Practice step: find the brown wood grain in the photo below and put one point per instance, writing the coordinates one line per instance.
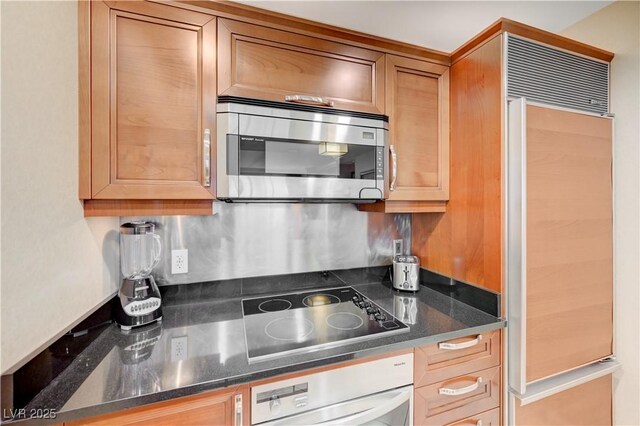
(208, 409)
(254, 15)
(506, 25)
(431, 408)
(84, 100)
(260, 62)
(466, 241)
(418, 110)
(150, 101)
(586, 404)
(94, 208)
(432, 364)
(488, 418)
(404, 207)
(569, 240)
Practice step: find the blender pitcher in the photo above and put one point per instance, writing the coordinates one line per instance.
(140, 250)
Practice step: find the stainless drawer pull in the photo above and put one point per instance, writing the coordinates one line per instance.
(206, 157)
(309, 100)
(238, 410)
(460, 391)
(455, 346)
(394, 167)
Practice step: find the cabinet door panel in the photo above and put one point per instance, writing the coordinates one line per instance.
(586, 404)
(215, 408)
(569, 241)
(418, 109)
(261, 62)
(153, 95)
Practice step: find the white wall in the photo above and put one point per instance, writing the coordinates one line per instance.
(56, 266)
(617, 28)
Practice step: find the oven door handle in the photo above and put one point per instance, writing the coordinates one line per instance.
(372, 414)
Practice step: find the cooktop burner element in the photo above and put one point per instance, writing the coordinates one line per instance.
(345, 321)
(320, 299)
(274, 305)
(288, 328)
(312, 320)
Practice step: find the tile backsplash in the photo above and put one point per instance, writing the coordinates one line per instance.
(248, 240)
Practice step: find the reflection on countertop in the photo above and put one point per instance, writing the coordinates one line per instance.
(121, 370)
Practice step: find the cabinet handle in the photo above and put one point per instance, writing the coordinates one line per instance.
(479, 423)
(455, 346)
(238, 410)
(460, 391)
(394, 167)
(206, 157)
(309, 100)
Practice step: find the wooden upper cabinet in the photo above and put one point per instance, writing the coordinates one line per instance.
(266, 63)
(153, 76)
(418, 110)
(417, 103)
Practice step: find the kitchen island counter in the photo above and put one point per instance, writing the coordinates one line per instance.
(118, 370)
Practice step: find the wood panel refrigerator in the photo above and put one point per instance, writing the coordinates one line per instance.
(559, 264)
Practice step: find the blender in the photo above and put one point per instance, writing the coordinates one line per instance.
(139, 297)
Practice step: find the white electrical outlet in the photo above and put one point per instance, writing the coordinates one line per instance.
(179, 348)
(179, 261)
(397, 248)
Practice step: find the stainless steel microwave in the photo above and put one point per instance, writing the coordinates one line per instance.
(276, 151)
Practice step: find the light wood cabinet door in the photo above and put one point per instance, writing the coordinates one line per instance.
(265, 63)
(586, 404)
(218, 408)
(569, 253)
(153, 97)
(457, 398)
(440, 361)
(418, 109)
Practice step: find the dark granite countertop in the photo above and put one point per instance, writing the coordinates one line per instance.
(103, 378)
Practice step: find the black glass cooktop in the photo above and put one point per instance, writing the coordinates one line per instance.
(312, 320)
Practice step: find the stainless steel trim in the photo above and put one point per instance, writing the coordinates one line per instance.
(516, 243)
(561, 108)
(238, 410)
(309, 100)
(206, 157)
(264, 111)
(394, 167)
(568, 380)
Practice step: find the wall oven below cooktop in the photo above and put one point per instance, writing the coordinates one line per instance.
(312, 320)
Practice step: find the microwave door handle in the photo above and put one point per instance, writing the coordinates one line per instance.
(372, 414)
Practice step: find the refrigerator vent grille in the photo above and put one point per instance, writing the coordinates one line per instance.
(544, 74)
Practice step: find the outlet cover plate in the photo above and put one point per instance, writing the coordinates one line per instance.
(397, 247)
(179, 261)
(179, 348)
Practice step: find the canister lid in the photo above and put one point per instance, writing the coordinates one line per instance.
(137, 228)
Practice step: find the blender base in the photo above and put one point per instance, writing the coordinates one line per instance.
(139, 303)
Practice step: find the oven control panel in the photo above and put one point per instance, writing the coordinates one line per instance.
(276, 400)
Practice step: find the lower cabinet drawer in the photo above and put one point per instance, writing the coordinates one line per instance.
(488, 418)
(440, 361)
(457, 398)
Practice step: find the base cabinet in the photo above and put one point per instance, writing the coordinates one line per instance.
(225, 407)
(586, 404)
